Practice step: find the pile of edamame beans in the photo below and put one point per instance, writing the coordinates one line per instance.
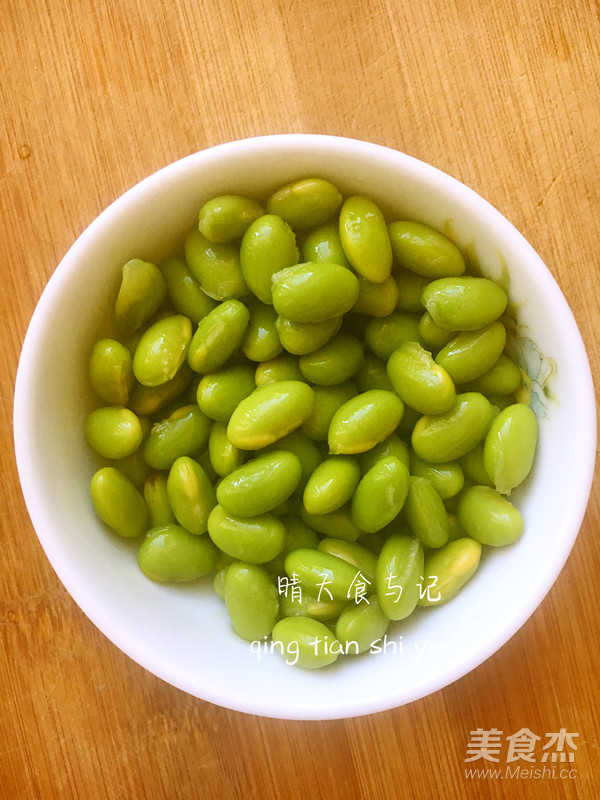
(316, 407)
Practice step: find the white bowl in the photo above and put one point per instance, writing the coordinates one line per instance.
(182, 634)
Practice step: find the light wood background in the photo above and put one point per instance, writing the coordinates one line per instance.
(97, 94)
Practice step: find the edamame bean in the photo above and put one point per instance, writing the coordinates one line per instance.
(384, 334)
(302, 604)
(219, 582)
(306, 642)
(283, 368)
(331, 485)
(425, 513)
(397, 576)
(448, 569)
(228, 217)
(361, 626)
(380, 495)
(269, 413)
(157, 500)
(118, 503)
(300, 338)
(133, 467)
(261, 340)
(215, 266)
(219, 393)
(509, 447)
(314, 292)
(113, 431)
(218, 336)
(305, 203)
(464, 304)
(327, 401)
(251, 599)
(391, 446)
(141, 292)
(365, 238)
(298, 534)
(364, 421)
(376, 299)
(372, 374)
(268, 246)
(423, 250)
(111, 372)
(224, 456)
(321, 574)
(472, 353)
(334, 363)
(447, 478)
(448, 436)
(474, 468)
(261, 484)
(146, 400)
(162, 350)
(170, 553)
(419, 381)
(323, 245)
(305, 451)
(352, 552)
(191, 494)
(488, 517)
(184, 433)
(503, 378)
(255, 540)
(184, 291)
(336, 524)
(410, 288)
(431, 335)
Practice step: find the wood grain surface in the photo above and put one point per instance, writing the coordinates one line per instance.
(97, 94)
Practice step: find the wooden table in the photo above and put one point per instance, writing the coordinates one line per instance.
(97, 94)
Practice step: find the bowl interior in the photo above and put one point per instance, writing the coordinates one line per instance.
(182, 633)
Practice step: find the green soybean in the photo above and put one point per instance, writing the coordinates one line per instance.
(170, 553)
(474, 468)
(327, 401)
(372, 374)
(503, 378)
(321, 574)
(162, 350)
(251, 599)
(111, 372)
(376, 299)
(448, 569)
(113, 431)
(306, 642)
(380, 495)
(219, 393)
(300, 338)
(336, 524)
(268, 246)
(300, 603)
(419, 381)
(431, 335)
(423, 250)
(314, 292)
(191, 494)
(447, 478)
(334, 363)
(392, 445)
(384, 334)
(464, 304)
(471, 353)
(509, 447)
(224, 456)
(305, 451)
(398, 573)
(425, 513)
(364, 560)
(361, 626)
(184, 291)
(118, 503)
(260, 484)
(183, 433)
(448, 436)
(253, 539)
(140, 294)
(157, 500)
(488, 517)
(216, 267)
(410, 288)
(331, 485)
(261, 340)
(364, 421)
(365, 238)
(146, 400)
(323, 245)
(227, 217)
(218, 336)
(283, 368)
(269, 413)
(133, 467)
(305, 203)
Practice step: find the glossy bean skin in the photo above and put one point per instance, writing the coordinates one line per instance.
(324, 576)
(118, 503)
(191, 494)
(425, 513)
(216, 267)
(398, 573)
(133, 467)
(261, 484)
(147, 400)
(261, 341)
(300, 338)
(172, 554)
(283, 368)
(110, 371)
(509, 448)
(365, 239)
(331, 485)
(327, 401)
(431, 335)
(183, 433)
(464, 303)
(488, 517)
(219, 393)
(352, 552)
(472, 353)
(503, 378)
(334, 363)
(305, 451)
(298, 534)
(393, 445)
(314, 292)
(364, 421)
(448, 569)
(337, 524)
(384, 334)
(113, 431)
(140, 294)
(269, 413)
(419, 381)
(380, 495)
(450, 435)
(251, 599)
(372, 374)
(323, 245)
(424, 250)
(306, 203)
(254, 540)
(184, 291)
(157, 500)
(376, 299)
(218, 336)
(306, 642)
(268, 246)
(162, 350)
(224, 456)
(228, 217)
(361, 626)
(410, 288)
(303, 604)
(473, 466)
(447, 478)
